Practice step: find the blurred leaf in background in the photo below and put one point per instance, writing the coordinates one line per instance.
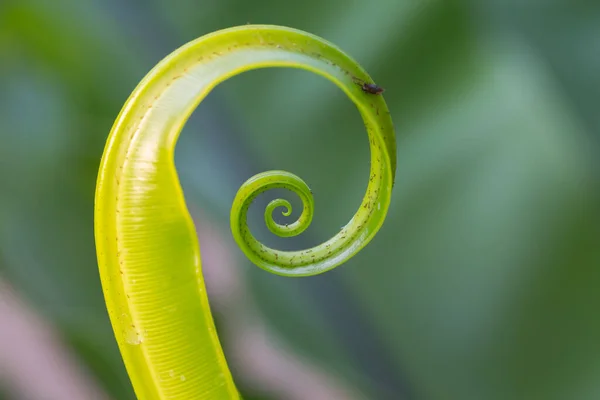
(484, 280)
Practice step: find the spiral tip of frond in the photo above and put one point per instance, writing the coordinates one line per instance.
(275, 180)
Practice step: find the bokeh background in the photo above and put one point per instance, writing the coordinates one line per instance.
(484, 282)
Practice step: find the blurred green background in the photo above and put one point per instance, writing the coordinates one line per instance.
(484, 282)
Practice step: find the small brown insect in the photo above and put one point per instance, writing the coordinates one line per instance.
(370, 88)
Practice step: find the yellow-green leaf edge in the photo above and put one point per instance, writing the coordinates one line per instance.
(147, 248)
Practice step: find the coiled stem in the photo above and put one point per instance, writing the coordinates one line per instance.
(148, 254)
